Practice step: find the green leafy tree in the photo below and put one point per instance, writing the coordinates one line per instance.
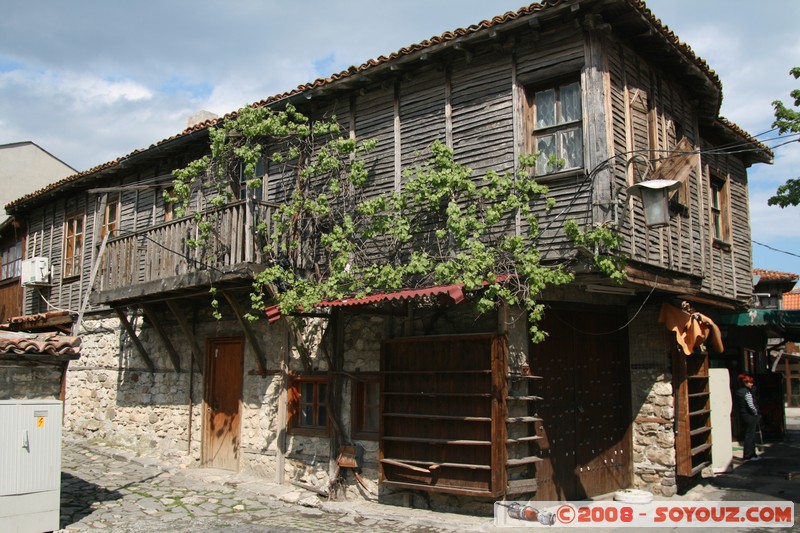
(787, 119)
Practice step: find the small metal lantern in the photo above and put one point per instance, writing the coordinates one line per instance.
(654, 194)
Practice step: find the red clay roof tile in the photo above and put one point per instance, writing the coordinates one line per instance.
(774, 275)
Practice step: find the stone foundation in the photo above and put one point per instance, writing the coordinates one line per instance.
(652, 402)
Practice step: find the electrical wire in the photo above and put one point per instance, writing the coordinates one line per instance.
(775, 249)
(617, 330)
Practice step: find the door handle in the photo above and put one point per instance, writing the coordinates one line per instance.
(26, 443)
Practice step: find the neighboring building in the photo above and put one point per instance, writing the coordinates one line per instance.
(24, 167)
(770, 286)
(760, 342)
(789, 364)
(437, 398)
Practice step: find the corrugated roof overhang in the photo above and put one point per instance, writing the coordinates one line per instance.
(453, 292)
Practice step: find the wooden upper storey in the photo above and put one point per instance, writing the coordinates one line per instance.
(593, 82)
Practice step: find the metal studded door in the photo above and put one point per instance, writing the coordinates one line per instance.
(586, 404)
(222, 403)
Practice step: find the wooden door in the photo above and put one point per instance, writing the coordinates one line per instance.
(222, 403)
(586, 404)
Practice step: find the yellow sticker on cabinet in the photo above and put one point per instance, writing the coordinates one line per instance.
(40, 422)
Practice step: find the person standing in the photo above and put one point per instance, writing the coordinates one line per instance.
(748, 414)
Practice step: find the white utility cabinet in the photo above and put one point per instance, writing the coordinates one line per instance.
(30, 465)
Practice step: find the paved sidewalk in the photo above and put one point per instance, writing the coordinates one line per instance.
(115, 490)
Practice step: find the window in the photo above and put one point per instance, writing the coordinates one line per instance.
(73, 244)
(111, 216)
(261, 170)
(366, 407)
(719, 209)
(308, 410)
(556, 116)
(11, 261)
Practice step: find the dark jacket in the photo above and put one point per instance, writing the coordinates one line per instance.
(745, 407)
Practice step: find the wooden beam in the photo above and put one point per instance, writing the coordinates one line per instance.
(258, 352)
(199, 356)
(149, 314)
(593, 83)
(123, 319)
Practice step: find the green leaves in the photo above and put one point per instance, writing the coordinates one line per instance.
(338, 236)
(787, 120)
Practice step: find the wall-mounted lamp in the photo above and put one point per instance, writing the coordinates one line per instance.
(654, 194)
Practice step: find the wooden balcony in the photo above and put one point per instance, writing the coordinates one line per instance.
(161, 260)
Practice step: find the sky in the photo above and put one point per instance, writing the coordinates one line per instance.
(92, 80)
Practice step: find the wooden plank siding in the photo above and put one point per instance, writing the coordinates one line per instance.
(650, 110)
(469, 98)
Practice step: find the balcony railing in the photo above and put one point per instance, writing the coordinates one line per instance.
(164, 252)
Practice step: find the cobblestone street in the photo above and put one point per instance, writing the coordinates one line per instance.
(107, 491)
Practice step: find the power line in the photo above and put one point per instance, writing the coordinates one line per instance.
(775, 249)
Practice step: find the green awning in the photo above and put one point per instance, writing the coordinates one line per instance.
(777, 322)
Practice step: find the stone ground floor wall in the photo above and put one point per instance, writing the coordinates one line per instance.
(30, 383)
(652, 404)
(111, 395)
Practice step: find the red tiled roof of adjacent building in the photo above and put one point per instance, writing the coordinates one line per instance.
(62, 346)
(442, 40)
(791, 300)
(774, 275)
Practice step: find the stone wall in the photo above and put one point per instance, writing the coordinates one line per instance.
(30, 383)
(652, 403)
(112, 396)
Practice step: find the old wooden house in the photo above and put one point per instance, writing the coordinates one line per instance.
(435, 399)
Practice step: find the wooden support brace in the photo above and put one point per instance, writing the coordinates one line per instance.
(149, 314)
(123, 319)
(199, 356)
(261, 359)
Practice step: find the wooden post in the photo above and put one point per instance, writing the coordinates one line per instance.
(249, 228)
(283, 398)
(123, 319)
(149, 314)
(258, 352)
(595, 118)
(199, 355)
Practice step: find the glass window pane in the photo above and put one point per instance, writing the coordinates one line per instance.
(322, 416)
(322, 392)
(371, 419)
(570, 103)
(307, 392)
(572, 148)
(546, 148)
(715, 197)
(545, 108)
(372, 393)
(306, 412)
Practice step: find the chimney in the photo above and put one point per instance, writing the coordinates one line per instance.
(201, 116)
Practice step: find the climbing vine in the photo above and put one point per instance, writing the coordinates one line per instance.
(334, 236)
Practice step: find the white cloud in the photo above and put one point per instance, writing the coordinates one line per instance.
(81, 88)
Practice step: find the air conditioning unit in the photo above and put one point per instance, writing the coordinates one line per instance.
(35, 271)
